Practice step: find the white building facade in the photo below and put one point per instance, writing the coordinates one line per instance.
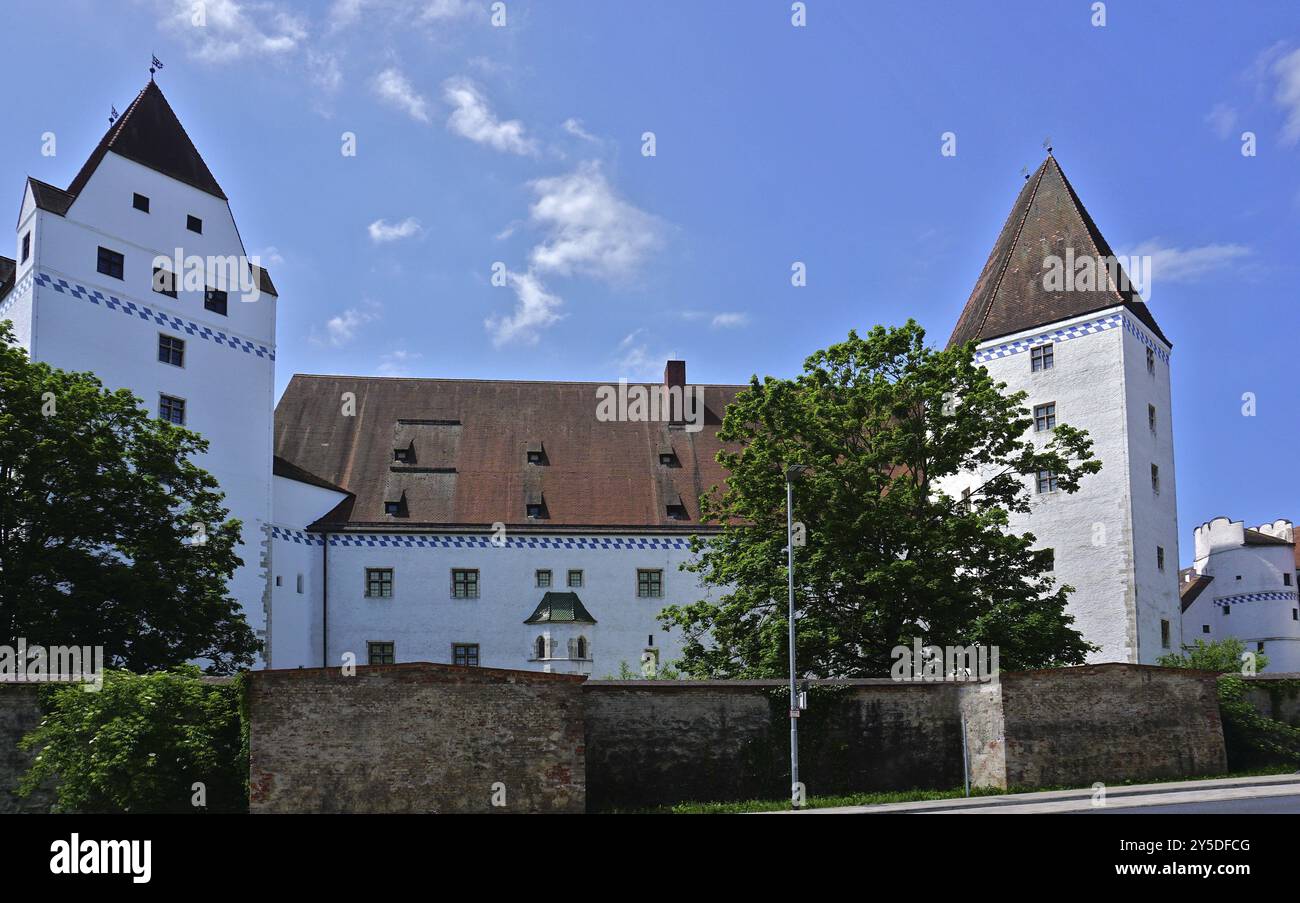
(1243, 585)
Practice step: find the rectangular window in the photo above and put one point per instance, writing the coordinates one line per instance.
(27, 247)
(140, 202)
(402, 455)
(1048, 558)
(1286, 579)
(1259, 646)
(1151, 361)
(379, 583)
(164, 282)
(543, 579)
(575, 579)
(393, 508)
(1041, 358)
(1295, 614)
(171, 409)
(676, 512)
(299, 584)
(1151, 417)
(668, 459)
(381, 653)
(194, 224)
(534, 457)
(965, 500)
(465, 654)
(1155, 479)
(110, 263)
(1045, 417)
(1046, 481)
(1164, 634)
(1160, 557)
(533, 511)
(464, 584)
(1227, 609)
(649, 584)
(171, 350)
(214, 299)
(1205, 628)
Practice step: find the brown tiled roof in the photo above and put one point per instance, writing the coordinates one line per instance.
(1047, 219)
(287, 469)
(1191, 585)
(150, 134)
(470, 442)
(47, 197)
(1256, 538)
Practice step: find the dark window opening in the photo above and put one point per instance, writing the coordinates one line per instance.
(582, 647)
(668, 459)
(27, 247)
(381, 653)
(171, 409)
(1046, 481)
(194, 224)
(1045, 417)
(575, 579)
(1160, 557)
(649, 584)
(403, 455)
(1205, 628)
(171, 350)
(110, 263)
(1151, 361)
(214, 299)
(543, 579)
(677, 512)
(164, 282)
(1042, 358)
(140, 202)
(379, 583)
(539, 648)
(1164, 634)
(534, 511)
(465, 654)
(464, 583)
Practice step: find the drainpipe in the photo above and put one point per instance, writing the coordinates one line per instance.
(325, 602)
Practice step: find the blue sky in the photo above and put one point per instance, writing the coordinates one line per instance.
(521, 146)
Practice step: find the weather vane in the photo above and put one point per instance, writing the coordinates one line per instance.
(154, 67)
(1024, 171)
(1047, 143)
(112, 115)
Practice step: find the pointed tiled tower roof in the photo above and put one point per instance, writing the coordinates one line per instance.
(1047, 219)
(150, 134)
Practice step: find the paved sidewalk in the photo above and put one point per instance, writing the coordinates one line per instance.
(1081, 800)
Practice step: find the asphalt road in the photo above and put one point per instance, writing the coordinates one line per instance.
(1271, 805)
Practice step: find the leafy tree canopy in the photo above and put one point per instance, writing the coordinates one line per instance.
(882, 422)
(110, 534)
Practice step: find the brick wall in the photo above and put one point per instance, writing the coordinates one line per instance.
(1275, 696)
(415, 738)
(1108, 723)
(653, 743)
(19, 712)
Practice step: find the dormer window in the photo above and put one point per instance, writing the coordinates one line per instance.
(140, 202)
(392, 508)
(194, 224)
(403, 455)
(535, 454)
(534, 511)
(534, 457)
(676, 512)
(668, 459)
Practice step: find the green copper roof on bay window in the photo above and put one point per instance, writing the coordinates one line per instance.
(560, 608)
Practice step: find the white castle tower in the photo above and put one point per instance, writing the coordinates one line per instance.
(1089, 354)
(83, 296)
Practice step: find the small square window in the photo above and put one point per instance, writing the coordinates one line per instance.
(543, 579)
(1151, 417)
(1046, 481)
(27, 247)
(110, 263)
(194, 224)
(171, 350)
(649, 584)
(381, 653)
(1155, 479)
(533, 510)
(1205, 628)
(1041, 357)
(164, 282)
(575, 579)
(676, 512)
(668, 459)
(1151, 361)
(1048, 559)
(214, 299)
(171, 409)
(393, 509)
(402, 455)
(1045, 417)
(379, 583)
(1160, 557)
(464, 583)
(465, 654)
(140, 202)
(1164, 634)
(534, 457)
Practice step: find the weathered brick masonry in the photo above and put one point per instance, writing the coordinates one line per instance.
(20, 711)
(415, 738)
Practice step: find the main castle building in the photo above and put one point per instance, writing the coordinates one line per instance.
(502, 523)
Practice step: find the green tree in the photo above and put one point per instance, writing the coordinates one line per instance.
(110, 535)
(889, 555)
(140, 744)
(1252, 740)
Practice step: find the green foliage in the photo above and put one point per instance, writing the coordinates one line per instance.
(99, 504)
(1252, 739)
(140, 744)
(625, 672)
(889, 556)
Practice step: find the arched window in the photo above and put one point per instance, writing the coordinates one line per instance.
(540, 647)
(582, 647)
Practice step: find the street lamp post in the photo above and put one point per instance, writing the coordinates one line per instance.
(791, 473)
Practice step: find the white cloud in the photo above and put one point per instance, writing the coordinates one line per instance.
(536, 310)
(382, 231)
(473, 118)
(1172, 264)
(397, 363)
(344, 13)
(342, 328)
(323, 70)
(574, 127)
(1287, 71)
(730, 320)
(231, 30)
(635, 360)
(270, 256)
(590, 229)
(1222, 119)
(394, 89)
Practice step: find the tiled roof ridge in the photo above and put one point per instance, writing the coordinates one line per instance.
(1011, 249)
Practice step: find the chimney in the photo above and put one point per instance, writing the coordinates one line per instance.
(675, 378)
